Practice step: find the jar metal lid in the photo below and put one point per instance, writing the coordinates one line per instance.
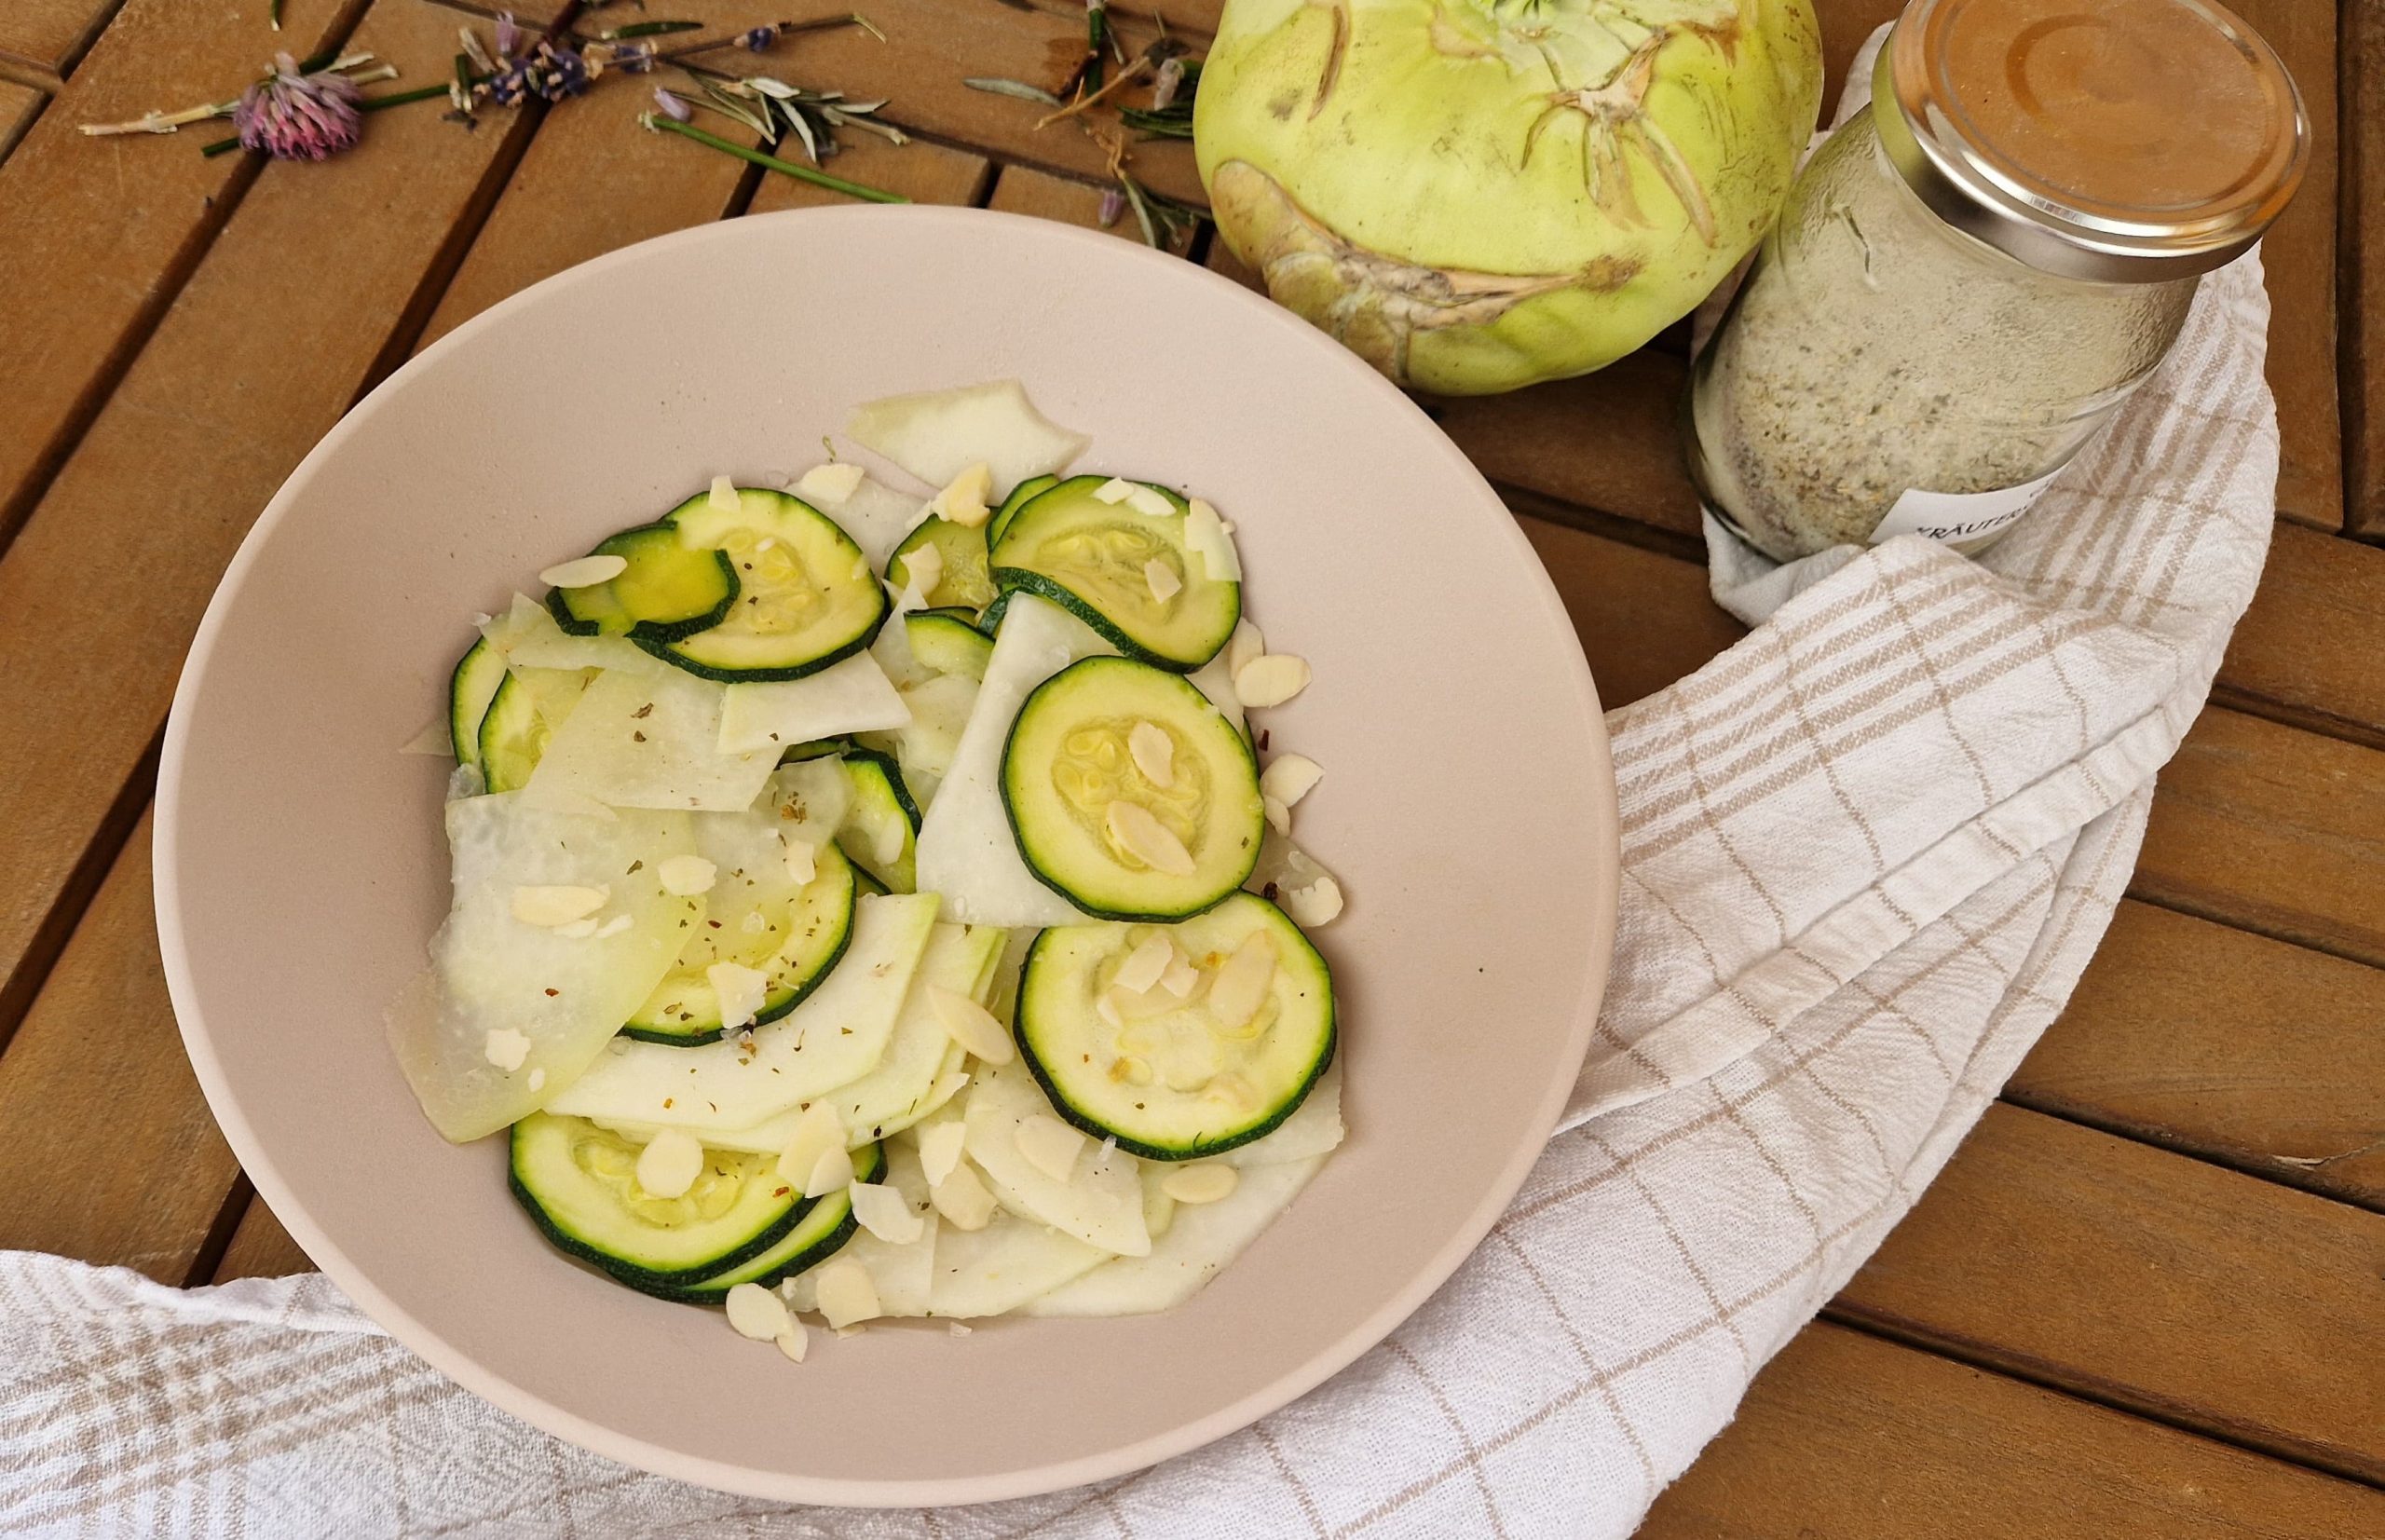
(2127, 141)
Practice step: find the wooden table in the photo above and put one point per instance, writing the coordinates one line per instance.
(2147, 1297)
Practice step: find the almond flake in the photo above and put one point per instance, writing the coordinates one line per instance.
(1243, 645)
(739, 989)
(1153, 752)
(1162, 581)
(1142, 1005)
(537, 1080)
(1207, 1182)
(845, 1331)
(686, 875)
(972, 1025)
(1290, 777)
(940, 1149)
(1316, 903)
(535, 905)
(963, 501)
(506, 1048)
(888, 846)
(584, 572)
(946, 1087)
(957, 1329)
(758, 1313)
(1279, 817)
(613, 927)
(670, 1164)
(963, 1200)
(754, 922)
(1145, 963)
(1149, 841)
(1270, 679)
(1242, 981)
(831, 483)
(1150, 502)
(1050, 1146)
(831, 1173)
(1107, 1008)
(817, 1131)
(1116, 490)
(923, 569)
(723, 498)
(803, 860)
(846, 1294)
(885, 1213)
(1180, 978)
(1211, 539)
(795, 1340)
(581, 930)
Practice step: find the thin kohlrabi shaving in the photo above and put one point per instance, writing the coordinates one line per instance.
(938, 434)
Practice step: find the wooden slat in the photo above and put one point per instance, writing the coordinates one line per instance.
(52, 35)
(921, 171)
(1024, 190)
(1642, 618)
(2307, 650)
(257, 359)
(18, 105)
(1844, 1437)
(1608, 440)
(2361, 248)
(261, 1249)
(101, 232)
(2238, 1049)
(110, 1153)
(2149, 1281)
(2273, 829)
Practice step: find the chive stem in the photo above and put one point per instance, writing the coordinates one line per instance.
(771, 162)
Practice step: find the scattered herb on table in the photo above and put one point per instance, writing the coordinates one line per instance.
(1164, 223)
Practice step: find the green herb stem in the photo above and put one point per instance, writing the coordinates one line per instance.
(771, 162)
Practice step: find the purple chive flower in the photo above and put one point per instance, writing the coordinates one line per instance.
(759, 38)
(1114, 204)
(509, 35)
(294, 117)
(672, 106)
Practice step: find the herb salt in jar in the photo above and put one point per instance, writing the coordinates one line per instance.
(1971, 276)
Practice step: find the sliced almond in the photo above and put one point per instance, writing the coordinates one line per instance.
(1105, 1005)
(1145, 963)
(885, 1213)
(830, 484)
(1182, 978)
(1279, 817)
(739, 989)
(1242, 981)
(1162, 581)
(1153, 753)
(1142, 836)
(612, 927)
(832, 1172)
(923, 569)
(795, 1340)
(1134, 1005)
(963, 1200)
(757, 1312)
(802, 859)
(888, 846)
(972, 1025)
(537, 1080)
(1319, 902)
(670, 1164)
(1117, 489)
(560, 904)
(1146, 500)
(584, 572)
(505, 1047)
(846, 1294)
(1050, 1146)
(582, 928)
(723, 497)
(964, 499)
(1243, 645)
(817, 1130)
(1270, 679)
(1290, 777)
(1204, 1184)
(940, 1149)
(956, 1329)
(686, 875)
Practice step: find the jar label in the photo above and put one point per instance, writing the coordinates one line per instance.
(1958, 518)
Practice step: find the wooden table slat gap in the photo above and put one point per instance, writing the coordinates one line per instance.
(238, 1199)
(21, 986)
(2360, 267)
(21, 106)
(2169, 1143)
(1618, 527)
(29, 75)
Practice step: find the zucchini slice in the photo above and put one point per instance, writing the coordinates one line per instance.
(512, 735)
(478, 674)
(757, 919)
(881, 827)
(961, 581)
(819, 748)
(1020, 495)
(948, 641)
(1170, 1080)
(1076, 792)
(1099, 559)
(668, 591)
(578, 1183)
(805, 597)
(820, 1232)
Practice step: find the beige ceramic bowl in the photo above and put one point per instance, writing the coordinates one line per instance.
(1469, 806)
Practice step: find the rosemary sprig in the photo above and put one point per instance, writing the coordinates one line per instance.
(771, 162)
(1163, 220)
(1170, 113)
(647, 29)
(997, 86)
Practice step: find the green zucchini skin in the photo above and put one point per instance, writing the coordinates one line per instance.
(697, 1033)
(948, 641)
(819, 748)
(565, 1239)
(629, 544)
(1020, 495)
(800, 519)
(472, 684)
(512, 737)
(963, 582)
(797, 1251)
(876, 781)
(1012, 553)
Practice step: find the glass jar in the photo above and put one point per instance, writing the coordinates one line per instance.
(1971, 276)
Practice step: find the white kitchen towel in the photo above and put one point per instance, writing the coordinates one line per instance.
(1866, 853)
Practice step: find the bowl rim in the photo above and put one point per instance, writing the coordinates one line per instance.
(457, 1364)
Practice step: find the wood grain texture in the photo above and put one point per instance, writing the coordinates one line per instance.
(99, 233)
(2276, 830)
(1642, 618)
(261, 1249)
(1025, 190)
(2360, 265)
(2149, 1281)
(52, 35)
(922, 172)
(2238, 1049)
(2307, 650)
(1844, 1437)
(1610, 440)
(110, 1153)
(218, 408)
(17, 107)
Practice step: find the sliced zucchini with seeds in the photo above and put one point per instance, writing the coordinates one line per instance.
(948, 641)
(1129, 794)
(668, 591)
(881, 827)
(1020, 495)
(478, 674)
(820, 1233)
(806, 596)
(1098, 560)
(961, 581)
(1171, 1080)
(756, 918)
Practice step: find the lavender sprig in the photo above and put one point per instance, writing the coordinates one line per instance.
(771, 162)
